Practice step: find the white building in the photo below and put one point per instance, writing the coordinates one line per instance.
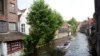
(64, 31)
(22, 24)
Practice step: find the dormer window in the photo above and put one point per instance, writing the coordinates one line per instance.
(1, 7)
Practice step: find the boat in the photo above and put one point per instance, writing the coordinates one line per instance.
(63, 47)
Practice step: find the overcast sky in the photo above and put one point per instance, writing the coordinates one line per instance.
(80, 9)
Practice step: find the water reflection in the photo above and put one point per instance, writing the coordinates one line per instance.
(49, 51)
(79, 47)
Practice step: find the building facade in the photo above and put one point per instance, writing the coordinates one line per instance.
(22, 23)
(64, 31)
(10, 38)
(97, 18)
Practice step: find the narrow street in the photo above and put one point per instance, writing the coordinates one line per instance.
(79, 46)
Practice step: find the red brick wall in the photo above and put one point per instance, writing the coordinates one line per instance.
(2, 17)
(12, 17)
(8, 16)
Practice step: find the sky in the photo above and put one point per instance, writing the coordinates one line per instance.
(79, 9)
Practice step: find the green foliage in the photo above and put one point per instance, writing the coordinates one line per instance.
(44, 22)
(74, 25)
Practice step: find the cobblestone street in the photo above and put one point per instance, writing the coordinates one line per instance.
(79, 46)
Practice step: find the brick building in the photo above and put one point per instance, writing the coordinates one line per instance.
(10, 38)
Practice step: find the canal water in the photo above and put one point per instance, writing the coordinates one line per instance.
(78, 47)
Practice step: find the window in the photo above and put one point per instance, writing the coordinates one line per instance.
(1, 6)
(23, 28)
(3, 27)
(12, 26)
(12, 7)
(14, 46)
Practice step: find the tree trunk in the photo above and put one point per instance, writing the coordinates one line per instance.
(35, 52)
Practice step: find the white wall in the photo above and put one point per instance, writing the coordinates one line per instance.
(61, 35)
(4, 48)
(24, 21)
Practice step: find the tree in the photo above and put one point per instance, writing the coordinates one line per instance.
(74, 25)
(44, 22)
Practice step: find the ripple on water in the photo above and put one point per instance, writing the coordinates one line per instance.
(79, 46)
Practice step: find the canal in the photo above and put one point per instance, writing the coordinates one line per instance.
(79, 46)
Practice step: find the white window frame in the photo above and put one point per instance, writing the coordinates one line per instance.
(23, 28)
(12, 27)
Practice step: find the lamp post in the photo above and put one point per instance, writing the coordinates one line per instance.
(89, 27)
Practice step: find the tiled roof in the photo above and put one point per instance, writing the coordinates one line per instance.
(20, 13)
(11, 36)
(23, 10)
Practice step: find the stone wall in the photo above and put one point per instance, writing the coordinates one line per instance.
(17, 53)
